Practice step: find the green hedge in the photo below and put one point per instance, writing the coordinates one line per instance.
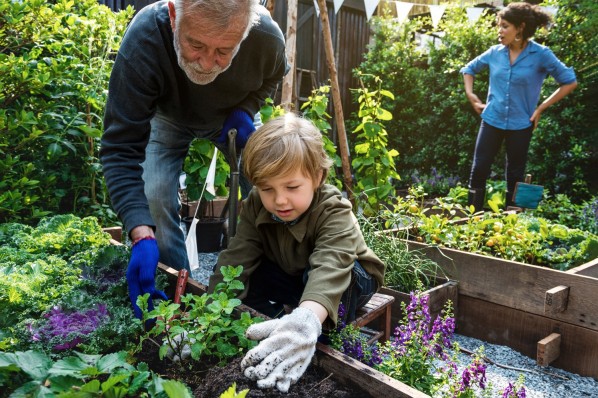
(55, 61)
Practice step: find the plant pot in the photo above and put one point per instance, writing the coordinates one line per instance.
(208, 233)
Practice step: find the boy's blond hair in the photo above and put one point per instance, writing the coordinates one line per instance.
(283, 145)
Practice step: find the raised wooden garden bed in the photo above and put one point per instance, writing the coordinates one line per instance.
(543, 313)
(344, 369)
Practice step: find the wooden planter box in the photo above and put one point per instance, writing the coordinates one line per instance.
(342, 368)
(212, 208)
(437, 298)
(543, 313)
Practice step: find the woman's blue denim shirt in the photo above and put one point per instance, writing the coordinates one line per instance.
(515, 89)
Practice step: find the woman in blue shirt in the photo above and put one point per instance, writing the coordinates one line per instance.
(518, 67)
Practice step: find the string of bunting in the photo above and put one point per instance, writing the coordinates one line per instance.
(436, 11)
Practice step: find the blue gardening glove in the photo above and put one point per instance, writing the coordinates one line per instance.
(285, 351)
(141, 273)
(240, 120)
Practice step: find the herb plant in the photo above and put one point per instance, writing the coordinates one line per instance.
(405, 270)
(206, 326)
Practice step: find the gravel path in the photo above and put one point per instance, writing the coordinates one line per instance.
(540, 382)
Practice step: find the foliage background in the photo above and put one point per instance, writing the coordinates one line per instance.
(55, 62)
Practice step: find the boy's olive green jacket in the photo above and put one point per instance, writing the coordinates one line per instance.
(326, 239)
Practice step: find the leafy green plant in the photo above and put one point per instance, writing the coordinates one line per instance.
(560, 209)
(196, 166)
(63, 288)
(516, 237)
(35, 264)
(32, 373)
(269, 110)
(436, 183)
(373, 162)
(315, 110)
(207, 325)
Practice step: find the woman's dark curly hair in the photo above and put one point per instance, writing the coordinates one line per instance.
(524, 13)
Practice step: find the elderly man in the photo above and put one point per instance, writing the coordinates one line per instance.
(186, 69)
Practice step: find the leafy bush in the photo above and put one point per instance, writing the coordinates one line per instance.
(55, 61)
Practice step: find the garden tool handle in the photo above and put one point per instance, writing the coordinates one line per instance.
(181, 285)
(232, 150)
(234, 184)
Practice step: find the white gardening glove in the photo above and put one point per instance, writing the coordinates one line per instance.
(286, 350)
(180, 340)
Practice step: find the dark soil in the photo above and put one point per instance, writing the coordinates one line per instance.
(207, 380)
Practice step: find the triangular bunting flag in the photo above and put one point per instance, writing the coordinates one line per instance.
(474, 13)
(552, 10)
(337, 5)
(403, 9)
(436, 12)
(370, 7)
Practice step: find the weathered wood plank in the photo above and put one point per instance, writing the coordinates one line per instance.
(521, 331)
(556, 300)
(517, 285)
(115, 233)
(352, 372)
(587, 269)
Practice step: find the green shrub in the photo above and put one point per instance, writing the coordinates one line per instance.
(55, 62)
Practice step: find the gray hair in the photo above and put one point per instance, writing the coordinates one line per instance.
(221, 12)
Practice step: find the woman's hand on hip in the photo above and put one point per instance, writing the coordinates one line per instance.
(476, 103)
(536, 117)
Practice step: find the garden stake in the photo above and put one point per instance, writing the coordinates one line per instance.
(181, 285)
(179, 290)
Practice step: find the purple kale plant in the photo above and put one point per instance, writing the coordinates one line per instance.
(67, 330)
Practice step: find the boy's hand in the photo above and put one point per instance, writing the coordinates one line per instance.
(286, 350)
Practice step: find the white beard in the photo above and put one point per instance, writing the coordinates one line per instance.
(194, 71)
